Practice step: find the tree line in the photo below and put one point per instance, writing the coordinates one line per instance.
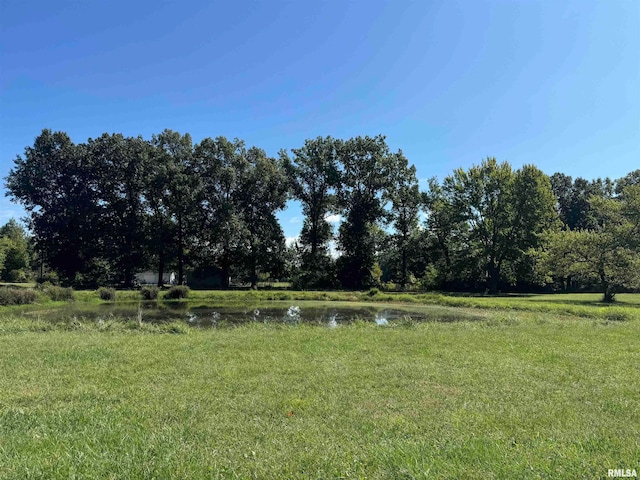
(104, 210)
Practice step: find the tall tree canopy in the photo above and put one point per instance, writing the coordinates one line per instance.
(365, 166)
(120, 165)
(314, 177)
(506, 212)
(218, 162)
(608, 254)
(264, 191)
(404, 195)
(104, 210)
(446, 237)
(56, 182)
(175, 152)
(573, 199)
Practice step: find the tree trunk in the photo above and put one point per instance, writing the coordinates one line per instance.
(128, 268)
(225, 265)
(160, 270)
(607, 289)
(128, 277)
(445, 252)
(609, 295)
(403, 278)
(129, 243)
(254, 271)
(180, 252)
(314, 238)
(160, 252)
(493, 280)
(224, 281)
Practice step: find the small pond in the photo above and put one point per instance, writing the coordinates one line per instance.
(330, 314)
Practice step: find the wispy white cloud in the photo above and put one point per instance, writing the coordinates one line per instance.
(333, 218)
(291, 240)
(295, 220)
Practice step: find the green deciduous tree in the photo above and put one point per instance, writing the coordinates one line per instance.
(630, 179)
(241, 191)
(365, 173)
(264, 190)
(446, 238)
(609, 254)
(14, 252)
(573, 199)
(218, 163)
(404, 195)
(177, 188)
(506, 212)
(313, 173)
(121, 165)
(56, 183)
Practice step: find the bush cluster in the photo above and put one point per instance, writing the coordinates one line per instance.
(149, 292)
(178, 291)
(16, 276)
(17, 296)
(107, 293)
(59, 293)
(50, 278)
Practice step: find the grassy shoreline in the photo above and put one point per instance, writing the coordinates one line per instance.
(583, 305)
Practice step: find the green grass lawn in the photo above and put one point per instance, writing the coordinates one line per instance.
(519, 395)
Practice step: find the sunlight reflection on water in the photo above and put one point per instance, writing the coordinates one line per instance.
(204, 315)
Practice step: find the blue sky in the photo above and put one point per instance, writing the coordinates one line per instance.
(556, 84)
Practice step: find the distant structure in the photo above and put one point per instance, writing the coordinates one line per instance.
(151, 278)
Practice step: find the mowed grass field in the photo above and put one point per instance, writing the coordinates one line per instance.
(519, 395)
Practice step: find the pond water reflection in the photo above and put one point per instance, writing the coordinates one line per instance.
(329, 314)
